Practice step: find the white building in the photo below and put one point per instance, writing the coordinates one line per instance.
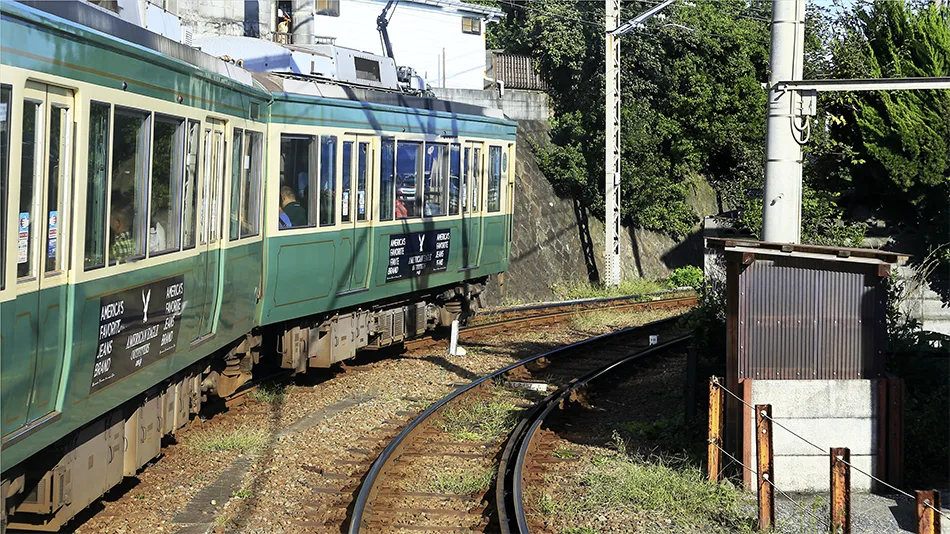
(443, 40)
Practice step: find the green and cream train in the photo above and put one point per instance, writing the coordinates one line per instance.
(173, 223)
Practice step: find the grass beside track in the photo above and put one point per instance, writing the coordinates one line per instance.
(243, 439)
(482, 420)
(636, 286)
(462, 481)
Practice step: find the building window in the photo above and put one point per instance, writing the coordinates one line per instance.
(472, 25)
(330, 8)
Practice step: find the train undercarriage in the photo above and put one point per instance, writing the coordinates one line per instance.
(46, 491)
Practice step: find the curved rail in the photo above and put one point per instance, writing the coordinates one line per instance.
(368, 487)
(508, 491)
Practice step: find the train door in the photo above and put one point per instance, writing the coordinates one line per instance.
(42, 258)
(355, 211)
(470, 199)
(509, 164)
(209, 229)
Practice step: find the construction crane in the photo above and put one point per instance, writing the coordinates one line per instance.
(382, 22)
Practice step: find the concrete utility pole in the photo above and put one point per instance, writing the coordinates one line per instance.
(782, 203)
(612, 273)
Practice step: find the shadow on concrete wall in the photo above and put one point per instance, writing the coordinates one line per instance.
(587, 245)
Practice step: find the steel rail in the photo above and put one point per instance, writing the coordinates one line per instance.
(511, 472)
(368, 487)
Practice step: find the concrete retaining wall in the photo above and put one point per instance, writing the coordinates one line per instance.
(828, 413)
(517, 104)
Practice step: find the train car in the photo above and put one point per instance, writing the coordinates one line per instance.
(182, 221)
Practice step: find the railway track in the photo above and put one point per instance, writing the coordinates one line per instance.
(529, 448)
(553, 312)
(514, 316)
(434, 477)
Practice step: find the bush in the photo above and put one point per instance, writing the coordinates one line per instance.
(689, 276)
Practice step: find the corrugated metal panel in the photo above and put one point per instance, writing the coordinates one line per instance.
(517, 72)
(809, 319)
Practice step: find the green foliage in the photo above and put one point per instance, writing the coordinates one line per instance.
(689, 276)
(691, 106)
(628, 287)
(665, 488)
(241, 439)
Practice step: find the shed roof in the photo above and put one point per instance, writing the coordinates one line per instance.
(817, 252)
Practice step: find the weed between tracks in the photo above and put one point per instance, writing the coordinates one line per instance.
(462, 481)
(481, 420)
(243, 439)
(268, 393)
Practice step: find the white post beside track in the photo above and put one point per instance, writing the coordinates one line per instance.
(454, 349)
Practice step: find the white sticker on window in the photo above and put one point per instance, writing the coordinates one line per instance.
(361, 202)
(346, 203)
(23, 240)
(247, 162)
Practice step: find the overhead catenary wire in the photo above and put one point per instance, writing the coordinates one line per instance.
(825, 450)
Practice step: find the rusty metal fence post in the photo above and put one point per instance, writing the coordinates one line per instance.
(716, 408)
(763, 457)
(928, 522)
(840, 490)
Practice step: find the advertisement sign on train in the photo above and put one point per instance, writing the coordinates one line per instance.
(137, 327)
(418, 253)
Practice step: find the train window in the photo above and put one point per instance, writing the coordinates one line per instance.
(433, 199)
(190, 187)
(362, 164)
(454, 180)
(345, 189)
(251, 203)
(127, 204)
(236, 168)
(476, 177)
(56, 169)
(5, 96)
(467, 172)
(387, 170)
(296, 177)
(494, 179)
(327, 180)
(407, 182)
(28, 164)
(97, 183)
(165, 205)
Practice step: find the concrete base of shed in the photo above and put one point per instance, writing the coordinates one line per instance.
(826, 413)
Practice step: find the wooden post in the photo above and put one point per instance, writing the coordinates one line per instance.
(928, 522)
(840, 491)
(763, 457)
(716, 400)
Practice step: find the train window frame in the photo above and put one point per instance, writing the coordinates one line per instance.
(328, 176)
(251, 180)
(416, 202)
(429, 157)
(237, 180)
(138, 225)
(100, 198)
(477, 173)
(455, 177)
(191, 173)
(53, 241)
(346, 181)
(176, 194)
(6, 125)
(387, 212)
(309, 193)
(494, 179)
(39, 111)
(364, 165)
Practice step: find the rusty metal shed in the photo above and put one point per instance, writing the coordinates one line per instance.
(805, 311)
